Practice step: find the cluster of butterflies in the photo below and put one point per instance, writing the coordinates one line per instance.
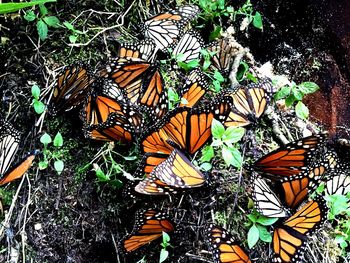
(128, 93)
(295, 175)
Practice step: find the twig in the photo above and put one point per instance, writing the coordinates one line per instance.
(23, 233)
(5, 223)
(116, 248)
(121, 23)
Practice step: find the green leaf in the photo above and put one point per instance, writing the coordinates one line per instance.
(253, 236)
(29, 15)
(206, 64)
(42, 29)
(290, 100)
(43, 165)
(221, 4)
(45, 139)
(266, 221)
(73, 38)
(166, 238)
(283, 93)
(35, 91)
(298, 94)
(101, 176)
(163, 255)
(52, 21)
(233, 134)
(301, 110)
(264, 235)
(207, 153)
(217, 85)
(6, 8)
(217, 129)
(232, 157)
(252, 218)
(218, 76)
(68, 25)
(58, 140)
(43, 10)
(215, 33)
(242, 69)
(206, 166)
(39, 107)
(59, 166)
(257, 21)
(308, 87)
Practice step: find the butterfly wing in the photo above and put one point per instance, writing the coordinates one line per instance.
(9, 142)
(266, 201)
(143, 49)
(289, 238)
(223, 55)
(194, 89)
(223, 246)
(178, 171)
(165, 28)
(338, 181)
(189, 47)
(19, 169)
(73, 84)
(290, 159)
(151, 185)
(295, 189)
(149, 225)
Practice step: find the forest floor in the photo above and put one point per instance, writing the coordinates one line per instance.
(74, 217)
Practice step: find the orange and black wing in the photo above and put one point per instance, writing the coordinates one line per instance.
(128, 74)
(290, 159)
(149, 226)
(295, 189)
(195, 88)
(290, 237)
(223, 52)
(151, 185)
(224, 248)
(178, 171)
(154, 96)
(73, 84)
(143, 49)
(19, 169)
(248, 104)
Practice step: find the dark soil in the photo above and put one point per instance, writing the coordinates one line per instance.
(71, 217)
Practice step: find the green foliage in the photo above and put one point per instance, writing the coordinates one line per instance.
(74, 33)
(52, 153)
(43, 20)
(244, 73)
(164, 254)
(217, 9)
(110, 171)
(6, 196)
(339, 215)
(295, 93)
(173, 98)
(7, 8)
(39, 107)
(226, 141)
(258, 228)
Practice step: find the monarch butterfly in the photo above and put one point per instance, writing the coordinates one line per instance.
(195, 87)
(295, 189)
(289, 238)
(189, 47)
(9, 142)
(291, 159)
(143, 49)
(175, 172)
(224, 247)
(166, 28)
(72, 86)
(266, 201)
(248, 104)
(149, 225)
(187, 128)
(338, 182)
(141, 81)
(224, 53)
